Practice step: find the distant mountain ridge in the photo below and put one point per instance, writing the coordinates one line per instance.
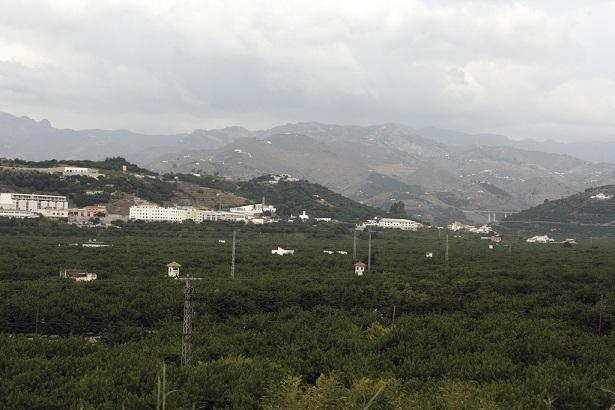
(25, 138)
(593, 151)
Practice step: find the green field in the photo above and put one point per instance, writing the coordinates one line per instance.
(518, 326)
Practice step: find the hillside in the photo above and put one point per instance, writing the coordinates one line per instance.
(297, 196)
(119, 190)
(587, 207)
(82, 190)
(289, 197)
(583, 215)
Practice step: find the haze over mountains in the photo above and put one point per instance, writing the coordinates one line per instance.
(441, 175)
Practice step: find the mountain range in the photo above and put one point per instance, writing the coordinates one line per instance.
(441, 175)
(382, 164)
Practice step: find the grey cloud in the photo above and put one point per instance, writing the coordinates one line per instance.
(528, 69)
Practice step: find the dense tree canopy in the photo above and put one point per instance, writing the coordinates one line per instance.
(494, 328)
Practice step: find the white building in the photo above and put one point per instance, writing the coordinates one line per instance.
(359, 268)
(78, 275)
(540, 239)
(601, 196)
(173, 270)
(54, 213)
(211, 216)
(404, 224)
(253, 210)
(303, 216)
(458, 226)
(281, 251)
(482, 229)
(90, 172)
(281, 177)
(50, 206)
(154, 213)
(14, 213)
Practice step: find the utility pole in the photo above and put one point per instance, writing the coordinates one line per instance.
(369, 250)
(354, 246)
(233, 256)
(187, 329)
(600, 315)
(394, 309)
(446, 250)
(188, 317)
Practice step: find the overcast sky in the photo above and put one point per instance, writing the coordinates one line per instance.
(540, 69)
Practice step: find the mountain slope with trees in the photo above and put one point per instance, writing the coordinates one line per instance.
(587, 207)
(200, 190)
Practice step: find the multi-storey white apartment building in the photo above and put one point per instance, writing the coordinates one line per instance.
(51, 206)
(405, 224)
(154, 213)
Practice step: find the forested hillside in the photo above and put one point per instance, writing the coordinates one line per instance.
(297, 196)
(84, 190)
(588, 207)
(177, 189)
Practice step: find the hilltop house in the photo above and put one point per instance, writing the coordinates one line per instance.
(88, 172)
(601, 196)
